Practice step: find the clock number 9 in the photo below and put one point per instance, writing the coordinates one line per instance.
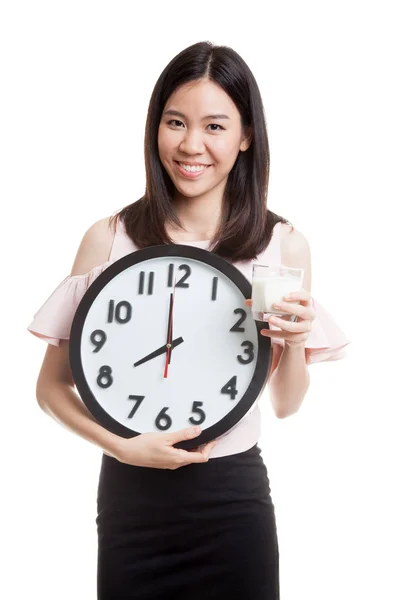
(99, 343)
(104, 373)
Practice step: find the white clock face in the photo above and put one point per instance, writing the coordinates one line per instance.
(211, 366)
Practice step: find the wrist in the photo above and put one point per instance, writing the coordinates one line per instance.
(115, 447)
(294, 346)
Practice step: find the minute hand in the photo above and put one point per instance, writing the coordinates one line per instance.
(158, 352)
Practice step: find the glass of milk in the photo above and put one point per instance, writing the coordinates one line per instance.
(269, 284)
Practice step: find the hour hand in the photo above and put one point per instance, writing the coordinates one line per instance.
(158, 352)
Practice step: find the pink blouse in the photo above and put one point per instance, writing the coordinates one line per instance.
(326, 342)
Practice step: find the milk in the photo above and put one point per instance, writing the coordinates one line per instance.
(268, 289)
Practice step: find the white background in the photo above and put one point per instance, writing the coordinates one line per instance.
(76, 79)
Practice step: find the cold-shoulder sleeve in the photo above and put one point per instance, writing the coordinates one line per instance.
(52, 322)
(326, 341)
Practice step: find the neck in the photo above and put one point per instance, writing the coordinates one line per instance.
(198, 216)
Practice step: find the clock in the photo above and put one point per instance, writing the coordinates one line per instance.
(162, 340)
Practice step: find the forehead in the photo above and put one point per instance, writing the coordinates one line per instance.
(201, 98)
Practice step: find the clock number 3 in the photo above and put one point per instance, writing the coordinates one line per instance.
(249, 351)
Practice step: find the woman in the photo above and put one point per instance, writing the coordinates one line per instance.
(206, 530)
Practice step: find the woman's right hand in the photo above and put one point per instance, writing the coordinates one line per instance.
(156, 450)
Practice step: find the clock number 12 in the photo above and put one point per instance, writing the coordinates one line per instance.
(181, 283)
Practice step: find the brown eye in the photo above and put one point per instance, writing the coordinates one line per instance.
(173, 121)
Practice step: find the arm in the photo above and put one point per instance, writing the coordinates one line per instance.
(56, 396)
(55, 391)
(290, 381)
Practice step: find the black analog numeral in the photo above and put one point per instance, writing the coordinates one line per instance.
(163, 417)
(150, 284)
(230, 388)
(236, 326)
(181, 283)
(196, 409)
(117, 312)
(214, 288)
(99, 343)
(249, 350)
(170, 275)
(138, 400)
(105, 373)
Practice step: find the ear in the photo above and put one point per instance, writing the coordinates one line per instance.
(246, 140)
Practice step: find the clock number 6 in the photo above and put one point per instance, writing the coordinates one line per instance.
(163, 417)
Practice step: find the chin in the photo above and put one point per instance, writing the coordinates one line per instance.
(191, 194)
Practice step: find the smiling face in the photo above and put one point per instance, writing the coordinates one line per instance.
(200, 125)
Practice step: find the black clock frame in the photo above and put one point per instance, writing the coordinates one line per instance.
(264, 355)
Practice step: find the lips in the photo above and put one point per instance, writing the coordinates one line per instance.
(187, 164)
(191, 174)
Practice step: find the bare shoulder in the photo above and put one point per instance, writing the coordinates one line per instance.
(293, 243)
(94, 248)
(295, 251)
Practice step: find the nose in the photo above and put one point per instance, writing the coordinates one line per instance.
(192, 142)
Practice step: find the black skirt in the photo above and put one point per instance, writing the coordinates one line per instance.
(204, 531)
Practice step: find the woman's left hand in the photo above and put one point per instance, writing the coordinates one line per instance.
(294, 333)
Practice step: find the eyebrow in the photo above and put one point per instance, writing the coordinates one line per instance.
(179, 114)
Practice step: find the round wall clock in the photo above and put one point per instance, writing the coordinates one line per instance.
(163, 340)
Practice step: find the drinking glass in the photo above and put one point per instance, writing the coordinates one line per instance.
(269, 284)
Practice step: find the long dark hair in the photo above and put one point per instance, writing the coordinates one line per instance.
(246, 224)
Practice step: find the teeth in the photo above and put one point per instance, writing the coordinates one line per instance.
(192, 169)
